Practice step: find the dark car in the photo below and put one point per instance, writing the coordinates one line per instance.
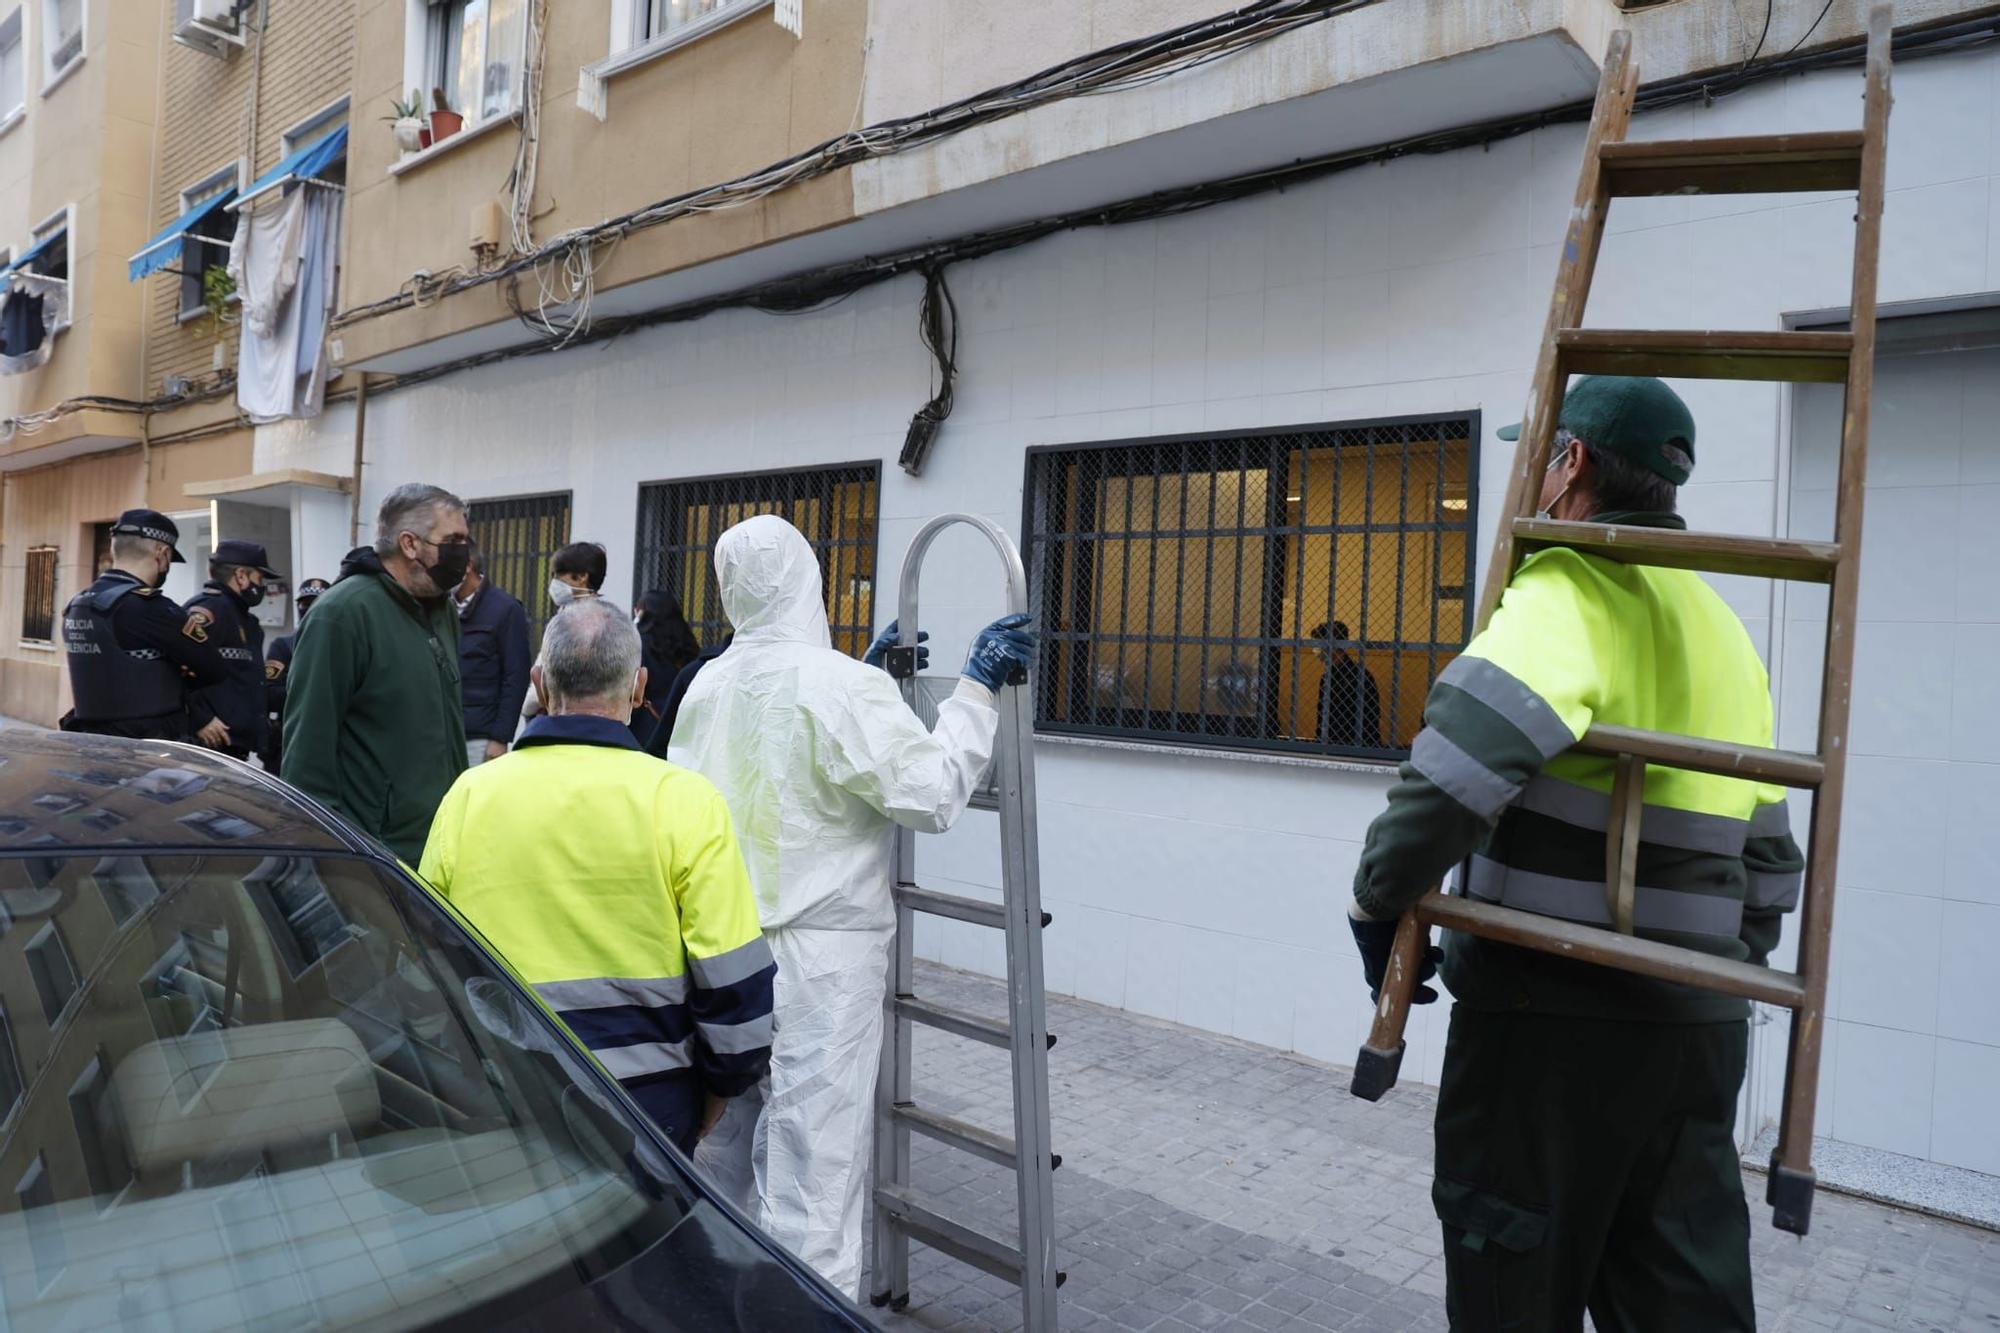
(254, 1075)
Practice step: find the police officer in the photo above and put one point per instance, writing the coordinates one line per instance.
(235, 588)
(277, 668)
(1586, 1153)
(132, 652)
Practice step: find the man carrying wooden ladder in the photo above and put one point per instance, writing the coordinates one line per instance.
(1586, 1154)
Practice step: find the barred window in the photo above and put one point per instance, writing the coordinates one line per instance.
(518, 538)
(1293, 590)
(38, 602)
(835, 507)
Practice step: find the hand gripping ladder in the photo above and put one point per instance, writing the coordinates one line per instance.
(900, 1215)
(1614, 168)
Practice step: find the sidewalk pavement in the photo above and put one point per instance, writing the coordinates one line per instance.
(1208, 1183)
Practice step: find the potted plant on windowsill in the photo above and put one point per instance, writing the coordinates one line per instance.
(408, 122)
(444, 121)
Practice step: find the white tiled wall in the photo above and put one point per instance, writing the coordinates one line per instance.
(1210, 889)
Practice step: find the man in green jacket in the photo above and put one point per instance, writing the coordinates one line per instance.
(374, 726)
(1586, 1155)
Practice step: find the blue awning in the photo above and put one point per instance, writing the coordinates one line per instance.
(32, 253)
(164, 248)
(303, 164)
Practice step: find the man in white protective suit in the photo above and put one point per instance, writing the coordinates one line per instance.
(819, 758)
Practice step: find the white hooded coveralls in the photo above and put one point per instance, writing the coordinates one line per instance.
(819, 758)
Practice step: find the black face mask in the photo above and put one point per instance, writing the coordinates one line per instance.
(453, 559)
(253, 595)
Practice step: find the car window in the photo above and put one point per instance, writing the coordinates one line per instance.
(283, 1090)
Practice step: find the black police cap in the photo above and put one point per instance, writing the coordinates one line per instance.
(150, 523)
(248, 554)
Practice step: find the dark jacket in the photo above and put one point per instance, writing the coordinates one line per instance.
(374, 725)
(277, 675)
(1350, 705)
(239, 700)
(663, 734)
(493, 662)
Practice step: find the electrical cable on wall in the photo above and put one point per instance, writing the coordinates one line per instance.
(938, 317)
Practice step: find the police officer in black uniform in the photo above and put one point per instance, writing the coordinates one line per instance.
(277, 672)
(132, 653)
(236, 574)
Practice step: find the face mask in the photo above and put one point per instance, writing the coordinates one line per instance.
(1548, 510)
(160, 579)
(561, 593)
(252, 595)
(449, 571)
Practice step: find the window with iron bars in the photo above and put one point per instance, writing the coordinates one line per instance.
(518, 538)
(835, 507)
(38, 603)
(1293, 590)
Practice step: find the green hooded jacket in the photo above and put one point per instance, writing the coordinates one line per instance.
(373, 723)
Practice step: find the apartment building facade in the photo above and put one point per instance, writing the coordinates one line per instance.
(126, 133)
(1224, 344)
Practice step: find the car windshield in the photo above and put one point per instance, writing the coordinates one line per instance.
(285, 1090)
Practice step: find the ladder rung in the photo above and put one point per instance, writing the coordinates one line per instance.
(958, 1133)
(1788, 768)
(1803, 358)
(951, 905)
(1594, 944)
(956, 1021)
(1715, 552)
(1752, 164)
(953, 1237)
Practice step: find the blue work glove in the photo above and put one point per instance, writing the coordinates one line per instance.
(1375, 940)
(1001, 653)
(879, 650)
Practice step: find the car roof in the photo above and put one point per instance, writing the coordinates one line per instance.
(72, 791)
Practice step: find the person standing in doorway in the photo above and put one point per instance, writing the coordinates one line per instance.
(493, 661)
(229, 716)
(277, 674)
(133, 654)
(374, 725)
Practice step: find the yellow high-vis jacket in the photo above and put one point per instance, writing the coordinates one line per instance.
(611, 881)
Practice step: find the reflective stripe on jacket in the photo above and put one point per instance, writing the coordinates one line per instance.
(612, 883)
(1492, 783)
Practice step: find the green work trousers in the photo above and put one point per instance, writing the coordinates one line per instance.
(1591, 1163)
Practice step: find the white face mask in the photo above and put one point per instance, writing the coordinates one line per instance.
(561, 593)
(1548, 510)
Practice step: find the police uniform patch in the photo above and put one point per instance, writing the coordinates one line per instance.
(273, 668)
(197, 623)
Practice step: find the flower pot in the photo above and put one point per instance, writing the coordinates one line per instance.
(409, 134)
(424, 137)
(444, 124)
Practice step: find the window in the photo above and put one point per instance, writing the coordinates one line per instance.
(1294, 591)
(11, 1085)
(98, 1132)
(314, 128)
(205, 246)
(38, 601)
(676, 18)
(100, 549)
(13, 67)
(62, 38)
(473, 55)
(834, 507)
(53, 262)
(53, 973)
(517, 539)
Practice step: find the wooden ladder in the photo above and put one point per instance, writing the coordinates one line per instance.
(1614, 168)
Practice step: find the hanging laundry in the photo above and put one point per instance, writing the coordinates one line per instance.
(264, 258)
(314, 298)
(32, 308)
(283, 259)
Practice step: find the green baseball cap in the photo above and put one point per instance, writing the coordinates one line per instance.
(1632, 415)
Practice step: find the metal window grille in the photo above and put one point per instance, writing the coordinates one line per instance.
(38, 605)
(518, 538)
(1293, 590)
(835, 507)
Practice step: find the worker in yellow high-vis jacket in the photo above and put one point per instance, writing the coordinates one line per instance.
(1586, 1155)
(612, 882)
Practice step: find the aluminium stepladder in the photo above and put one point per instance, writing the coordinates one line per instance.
(900, 1214)
(1614, 168)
